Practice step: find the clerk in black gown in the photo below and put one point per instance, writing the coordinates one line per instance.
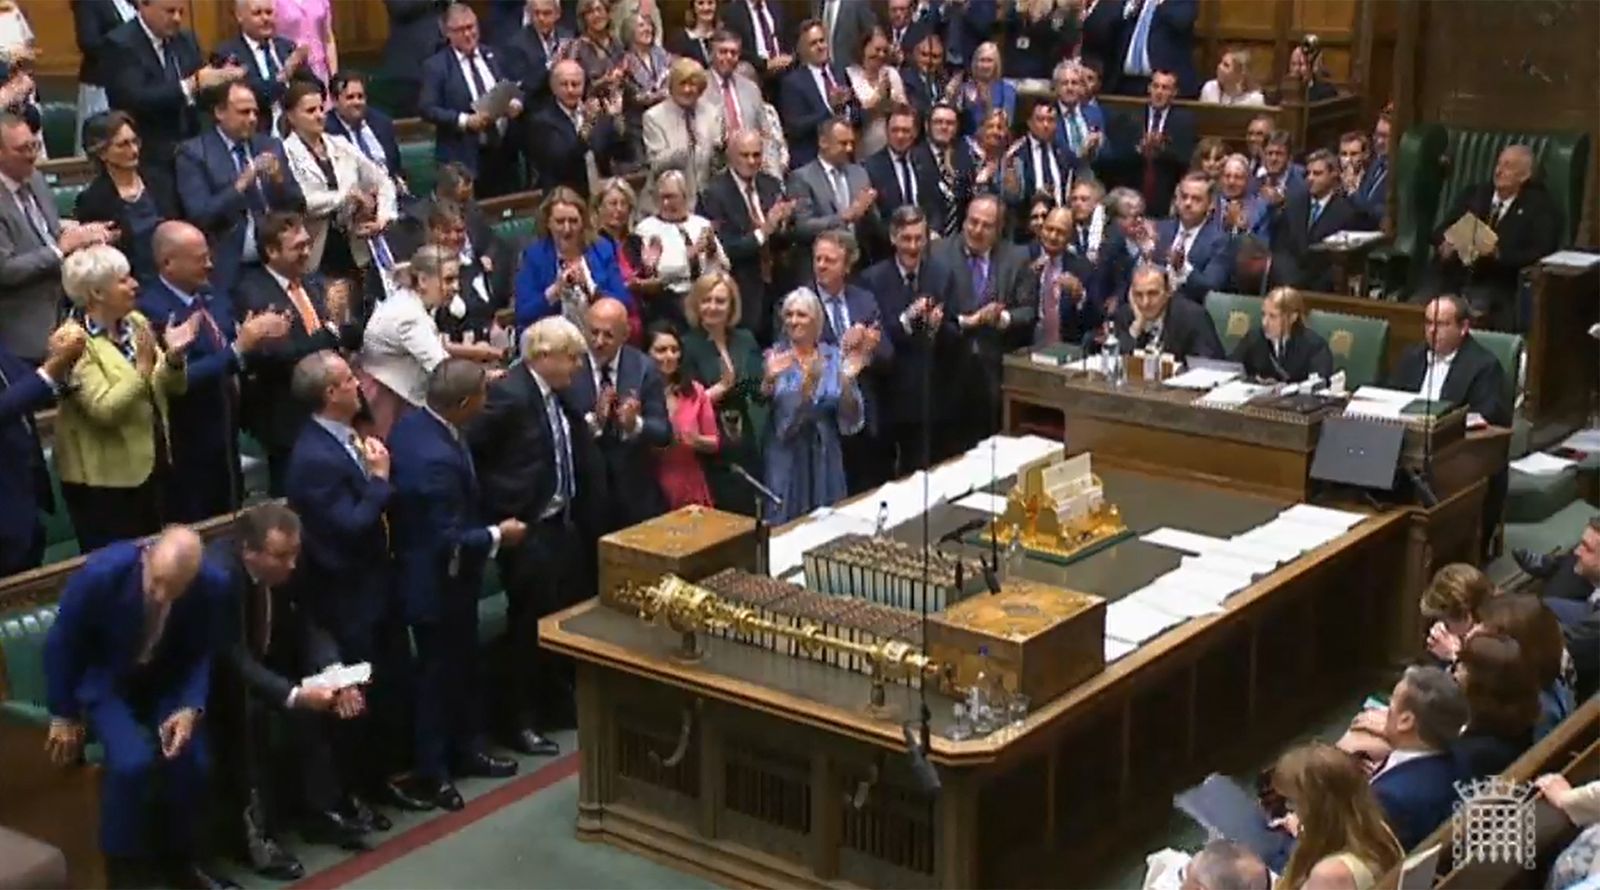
(1282, 348)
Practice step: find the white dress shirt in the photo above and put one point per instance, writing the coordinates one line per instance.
(467, 64)
(758, 16)
(1045, 160)
(1400, 756)
(1435, 373)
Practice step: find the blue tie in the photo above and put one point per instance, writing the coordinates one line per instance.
(241, 160)
(836, 317)
(1316, 213)
(980, 279)
(1138, 61)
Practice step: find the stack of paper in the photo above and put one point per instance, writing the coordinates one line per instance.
(1375, 401)
(1173, 598)
(1538, 463)
(1135, 622)
(1572, 259)
(984, 502)
(1178, 539)
(1586, 441)
(1201, 378)
(1116, 648)
(1244, 553)
(784, 551)
(1231, 395)
(1311, 514)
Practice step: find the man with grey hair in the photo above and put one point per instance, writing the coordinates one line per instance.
(1526, 224)
(443, 544)
(850, 315)
(750, 213)
(1225, 865)
(1416, 784)
(533, 48)
(833, 191)
(456, 82)
(33, 242)
(154, 70)
(270, 62)
(537, 466)
(1080, 124)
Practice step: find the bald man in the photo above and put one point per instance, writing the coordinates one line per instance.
(1526, 221)
(203, 422)
(567, 131)
(129, 660)
(622, 399)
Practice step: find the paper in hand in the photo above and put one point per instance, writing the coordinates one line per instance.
(1471, 237)
(340, 676)
(497, 102)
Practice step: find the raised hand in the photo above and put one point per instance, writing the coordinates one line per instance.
(605, 404)
(65, 347)
(376, 455)
(262, 326)
(145, 352)
(779, 361)
(178, 337)
(337, 300)
(628, 412)
(293, 63)
(175, 732)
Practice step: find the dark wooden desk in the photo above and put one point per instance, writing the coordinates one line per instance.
(1563, 360)
(781, 778)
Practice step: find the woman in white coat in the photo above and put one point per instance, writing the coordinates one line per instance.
(349, 198)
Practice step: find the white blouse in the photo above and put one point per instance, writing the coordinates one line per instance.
(673, 268)
(1211, 93)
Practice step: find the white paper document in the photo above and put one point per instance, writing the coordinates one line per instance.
(1174, 600)
(1343, 520)
(1201, 378)
(1231, 395)
(785, 551)
(1202, 583)
(1239, 572)
(1350, 238)
(340, 676)
(1116, 648)
(1538, 463)
(1178, 539)
(1572, 259)
(1135, 622)
(984, 502)
(1583, 440)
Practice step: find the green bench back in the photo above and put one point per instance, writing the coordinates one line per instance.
(59, 122)
(1233, 315)
(1357, 343)
(421, 169)
(22, 647)
(1507, 349)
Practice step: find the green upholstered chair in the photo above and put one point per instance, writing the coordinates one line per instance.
(383, 92)
(1357, 343)
(59, 121)
(67, 198)
(1507, 349)
(516, 231)
(421, 169)
(1233, 315)
(1435, 164)
(60, 540)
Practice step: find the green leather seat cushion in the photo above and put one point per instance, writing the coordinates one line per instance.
(1560, 530)
(1233, 315)
(1532, 497)
(1358, 344)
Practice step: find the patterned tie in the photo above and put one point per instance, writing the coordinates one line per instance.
(1316, 214)
(841, 189)
(271, 69)
(836, 317)
(29, 203)
(908, 183)
(1050, 297)
(563, 452)
(768, 41)
(241, 160)
(979, 270)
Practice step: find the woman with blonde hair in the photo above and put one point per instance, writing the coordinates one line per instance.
(568, 266)
(1341, 839)
(679, 246)
(985, 91)
(1233, 84)
(1282, 348)
(726, 359)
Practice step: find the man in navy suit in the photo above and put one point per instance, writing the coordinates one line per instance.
(750, 212)
(443, 545)
(338, 483)
(270, 62)
(538, 468)
(923, 73)
(1237, 211)
(1279, 176)
(560, 139)
(1415, 786)
(1364, 177)
(368, 128)
(229, 178)
(762, 34)
(1080, 124)
(814, 91)
(1156, 35)
(916, 303)
(1102, 31)
(454, 81)
(530, 51)
(1194, 248)
(1043, 165)
(318, 320)
(622, 399)
(154, 71)
(24, 479)
(1152, 148)
(203, 422)
(129, 659)
(1068, 310)
(904, 172)
(850, 313)
(416, 32)
(1308, 216)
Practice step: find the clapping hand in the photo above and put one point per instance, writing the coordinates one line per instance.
(780, 62)
(267, 164)
(1176, 257)
(260, 327)
(64, 349)
(376, 455)
(605, 404)
(1091, 143)
(706, 245)
(778, 361)
(1271, 194)
(293, 63)
(723, 385)
(779, 214)
(145, 352)
(175, 732)
(178, 337)
(1070, 284)
(1233, 214)
(1442, 643)
(839, 96)
(337, 301)
(628, 412)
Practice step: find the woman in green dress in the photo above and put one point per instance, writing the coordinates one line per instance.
(726, 359)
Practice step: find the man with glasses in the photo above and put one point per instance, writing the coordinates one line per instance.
(455, 84)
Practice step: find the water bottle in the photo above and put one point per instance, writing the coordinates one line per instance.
(985, 706)
(1111, 358)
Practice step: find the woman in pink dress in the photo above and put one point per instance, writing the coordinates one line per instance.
(694, 423)
(309, 23)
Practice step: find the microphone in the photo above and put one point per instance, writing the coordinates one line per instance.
(756, 484)
(923, 772)
(962, 530)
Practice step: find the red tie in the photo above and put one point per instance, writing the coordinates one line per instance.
(730, 105)
(827, 77)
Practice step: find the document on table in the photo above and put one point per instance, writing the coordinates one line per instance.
(785, 551)
(1375, 401)
(1116, 648)
(1259, 558)
(1175, 600)
(1178, 539)
(1572, 259)
(1134, 622)
(1231, 395)
(1311, 514)
(1234, 570)
(1201, 378)
(1583, 440)
(1538, 463)
(984, 502)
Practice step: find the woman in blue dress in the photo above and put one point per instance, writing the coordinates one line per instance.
(815, 401)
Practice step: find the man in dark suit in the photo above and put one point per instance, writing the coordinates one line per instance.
(815, 91)
(751, 213)
(953, 161)
(904, 172)
(264, 647)
(229, 178)
(622, 400)
(923, 73)
(1155, 36)
(24, 478)
(270, 62)
(846, 23)
(202, 422)
(850, 313)
(538, 468)
(530, 51)
(416, 32)
(1152, 148)
(1571, 588)
(1415, 786)
(1080, 124)
(996, 301)
(1150, 319)
(1069, 309)
(1254, 271)
(318, 320)
(368, 128)
(1527, 224)
(128, 660)
(1043, 166)
(338, 483)
(444, 545)
(564, 137)
(92, 21)
(905, 31)
(1102, 30)
(1279, 175)
(762, 34)
(454, 81)
(154, 71)
(1364, 177)
(1193, 247)
(916, 306)
(1308, 216)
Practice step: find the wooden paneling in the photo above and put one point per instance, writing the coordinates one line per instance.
(361, 26)
(1507, 64)
(51, 21)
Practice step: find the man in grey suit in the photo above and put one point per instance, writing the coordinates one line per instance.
(737, 99)
(834, 192)
(32, 244)
(996, 299)
(847, 23)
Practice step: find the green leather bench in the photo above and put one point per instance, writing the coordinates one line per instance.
(66, 197)
(421, 169)
(59, 125)
(516, 231)
(1435, 164)
(1233, 315)
(1358, 344)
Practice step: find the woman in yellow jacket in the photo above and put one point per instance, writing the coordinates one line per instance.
(111, 445)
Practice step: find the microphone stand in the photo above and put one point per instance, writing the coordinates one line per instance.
(1423, 481)
(919, 734)
(763, 495)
